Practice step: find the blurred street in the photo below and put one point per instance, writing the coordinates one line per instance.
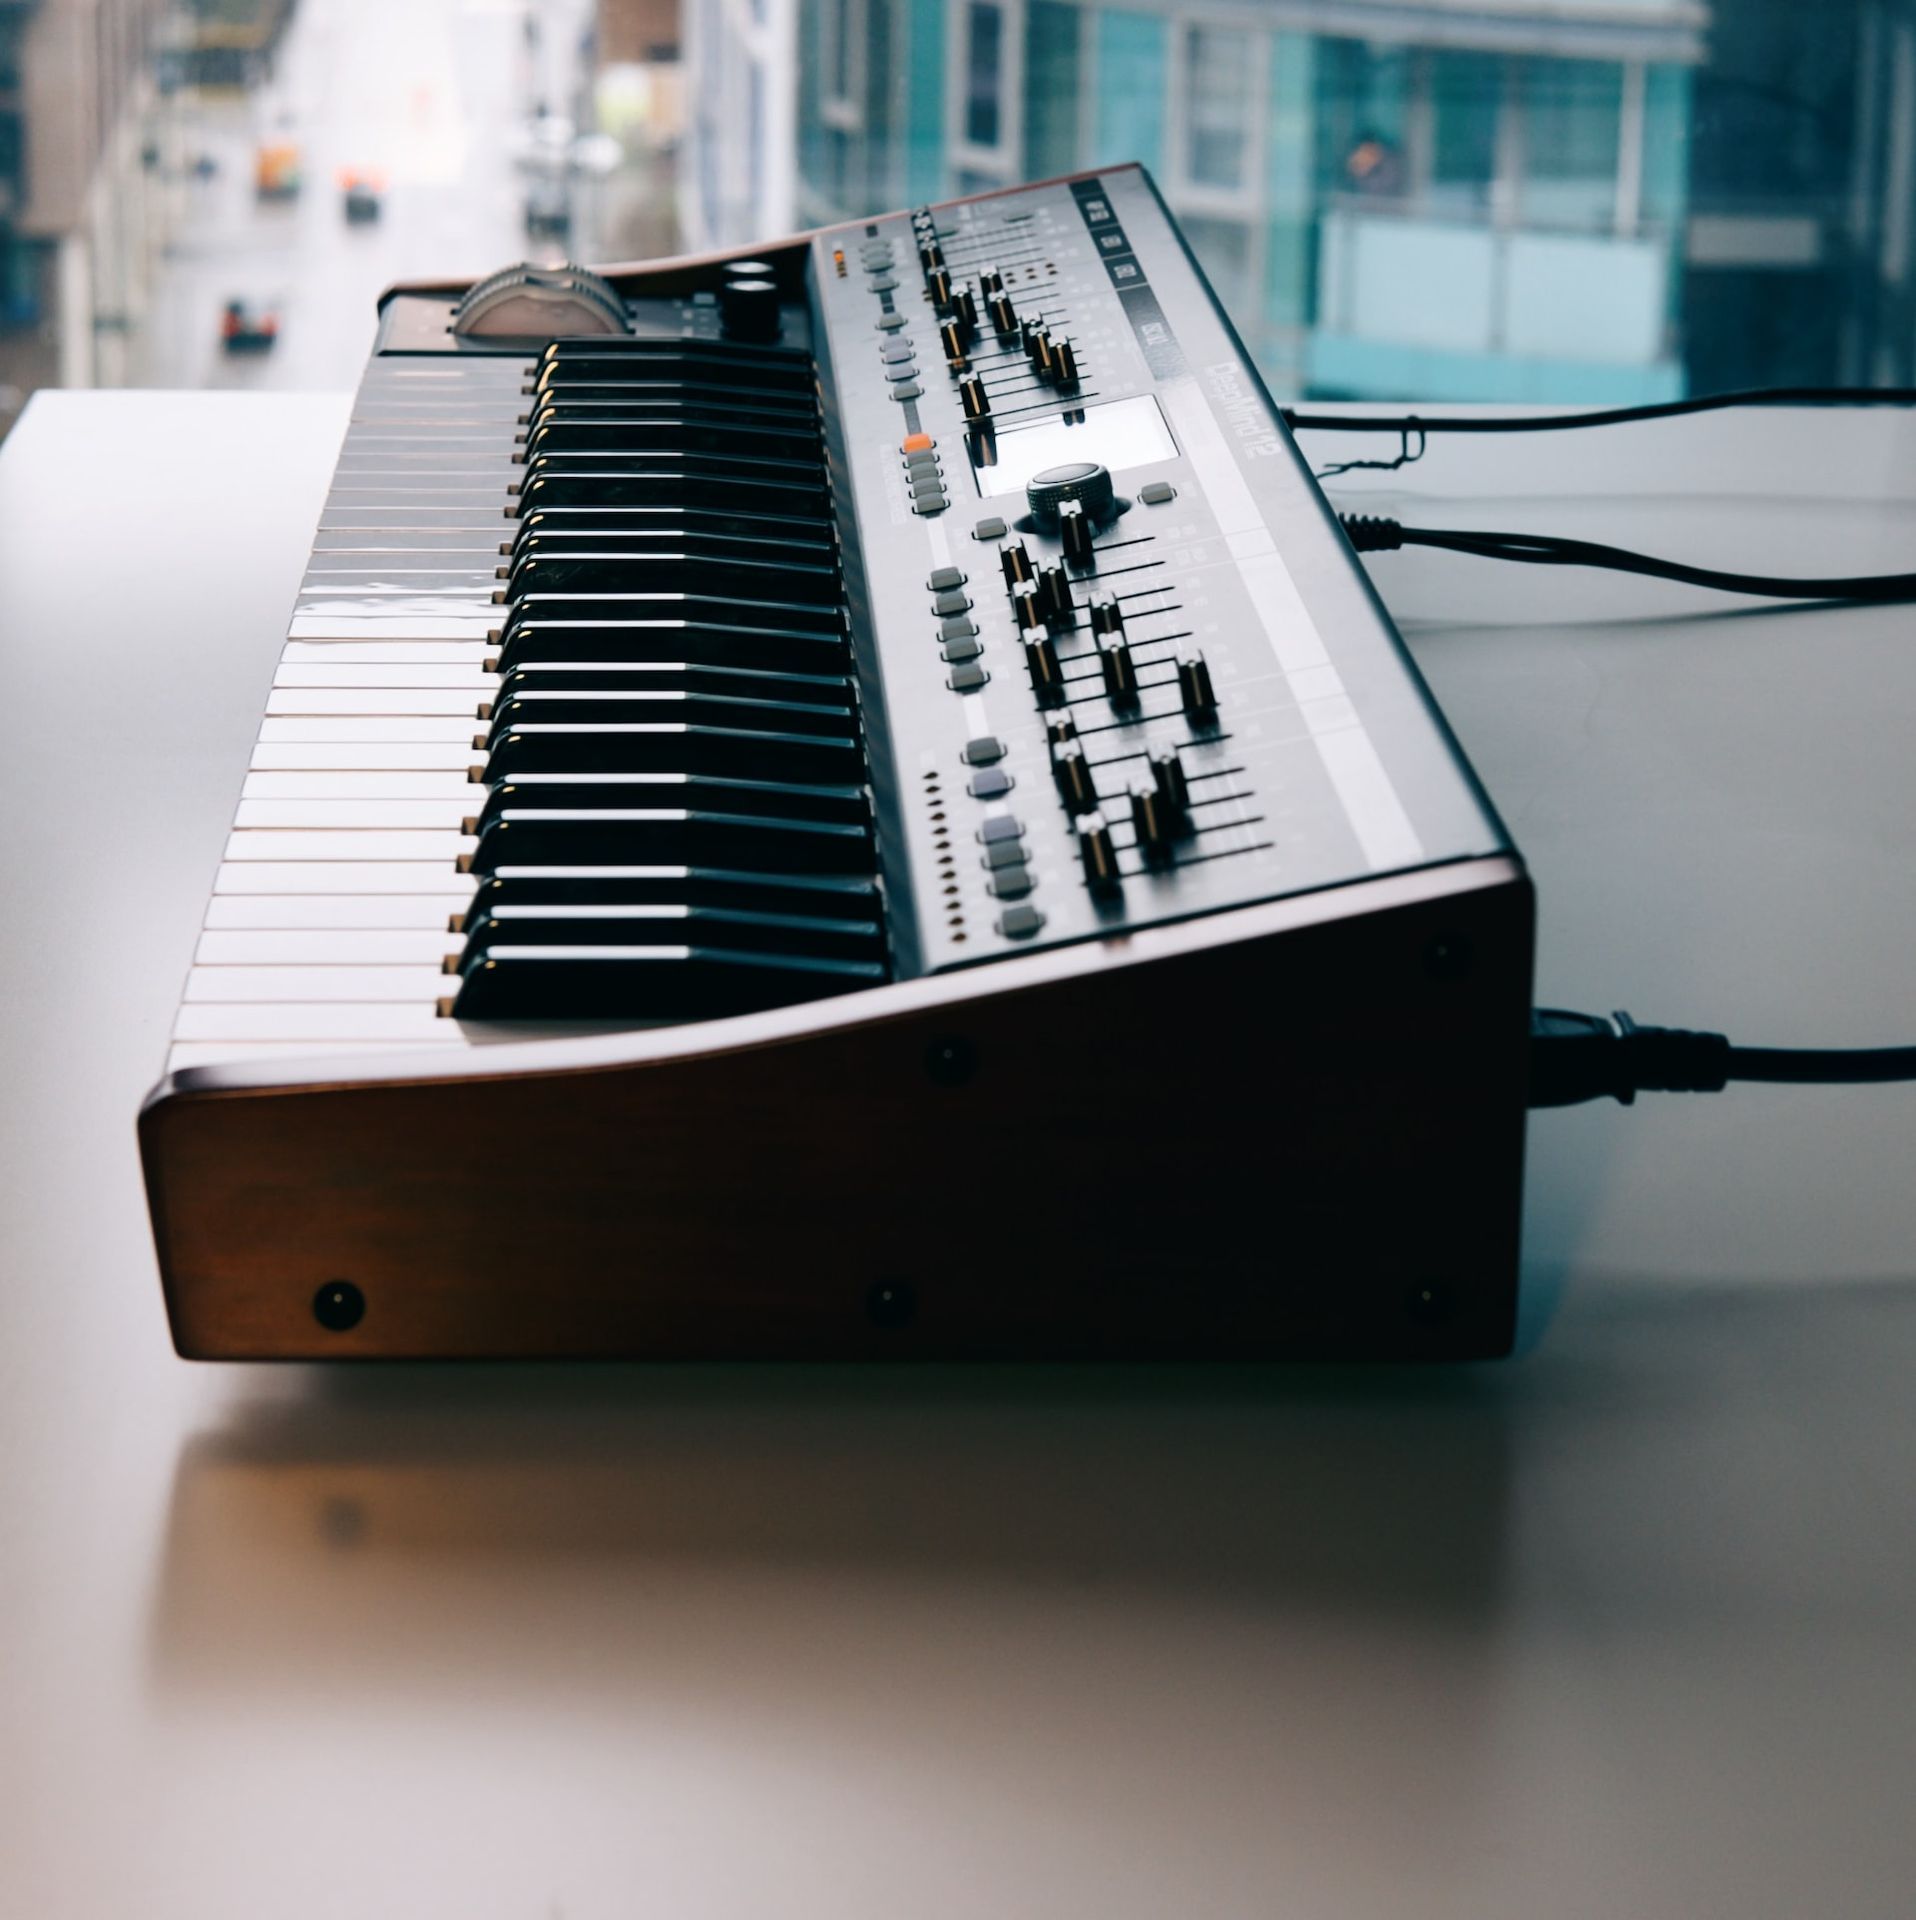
(433, 99)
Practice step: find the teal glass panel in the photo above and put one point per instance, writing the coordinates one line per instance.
(1132, 57)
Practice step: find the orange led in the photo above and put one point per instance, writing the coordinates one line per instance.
(916, 443)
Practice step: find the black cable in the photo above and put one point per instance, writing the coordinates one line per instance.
(1583, 1056)
(1373, 534)
(1299, 422)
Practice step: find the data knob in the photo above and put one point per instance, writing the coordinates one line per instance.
(1041, 656)
(1168, 776)
(1095, 849)
(1084, 481)
(1004, 316)
(1074, 529)
(1106, 616)
(1016, 561)
(748, 310)
(1151, 818)
(1194, 682)
(1073, 772)
(1120, 670)
(974, 399)
(1025, 607)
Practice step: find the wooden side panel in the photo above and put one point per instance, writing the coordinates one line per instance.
(1307, 1144)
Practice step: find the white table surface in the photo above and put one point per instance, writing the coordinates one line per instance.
(1626, 1627)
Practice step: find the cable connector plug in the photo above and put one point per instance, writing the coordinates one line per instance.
(1584, 1056)
(1371, 533)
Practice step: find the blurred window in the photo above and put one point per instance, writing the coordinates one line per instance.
(1218, 82)
(984, 71)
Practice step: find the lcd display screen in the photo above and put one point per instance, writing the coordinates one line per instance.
(1127, 433)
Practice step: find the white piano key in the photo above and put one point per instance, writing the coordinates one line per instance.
(224, 986)
(250, 844)
(387, 653)
(347, 700)
(326, 946)
(368, 574)
(315, 785)
(405, 912)
(337, 625)
(384, 814)
(316, 1020)
(420, 877)
(363, 674)
(366, 729)
(213, 1053)
(400, 755)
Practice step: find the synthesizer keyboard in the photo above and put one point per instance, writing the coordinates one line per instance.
(847, 802)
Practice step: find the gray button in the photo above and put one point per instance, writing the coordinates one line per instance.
(944, 578)
(956, 650)
(988, 783)
(910, 390)
(929, 488)
(1154, 493)
(932, 503)
(1005, 853)
(1011, 883)
(950, 603)
(992, 529)
(917, 464)
(982, 751)
(1020, 922)
(968, 678)
(1001, 826)
(889, 322)
(956, 629)
(882, 283)
(896, 350)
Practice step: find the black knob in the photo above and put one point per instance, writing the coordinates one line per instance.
(1120, 670)
(1151, 818)
(951, 337)
(1040, 353)
(748, 310)
(1064, 364)
(1074, 529)
(1106, 616)
(1054, 597)
(1194, 682)
(965, 310)
(938, 284)
(1084, 481)
(1169, 778)
(1095, 849)
(991, 282)
(973, 398)
(1073, 773)
(1004, 316)
(1059, 728)
(1028, 332)
(1041, 656)
(930, 255)
(1016, 561)
(1026, 608)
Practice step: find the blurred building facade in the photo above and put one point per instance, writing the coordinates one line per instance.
(1547, 199)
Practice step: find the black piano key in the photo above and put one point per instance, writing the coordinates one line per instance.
(604, 396)
(671, 747)
(688, 676)
(684, 528)
(633, 836)
(728, 928)
(607, 572)
(775, 650)
(715, 362)
(727, 610)
(786, 799)
(658, 482)
(831, 896)
(663, 983)
(636, 434)
(735, 711)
